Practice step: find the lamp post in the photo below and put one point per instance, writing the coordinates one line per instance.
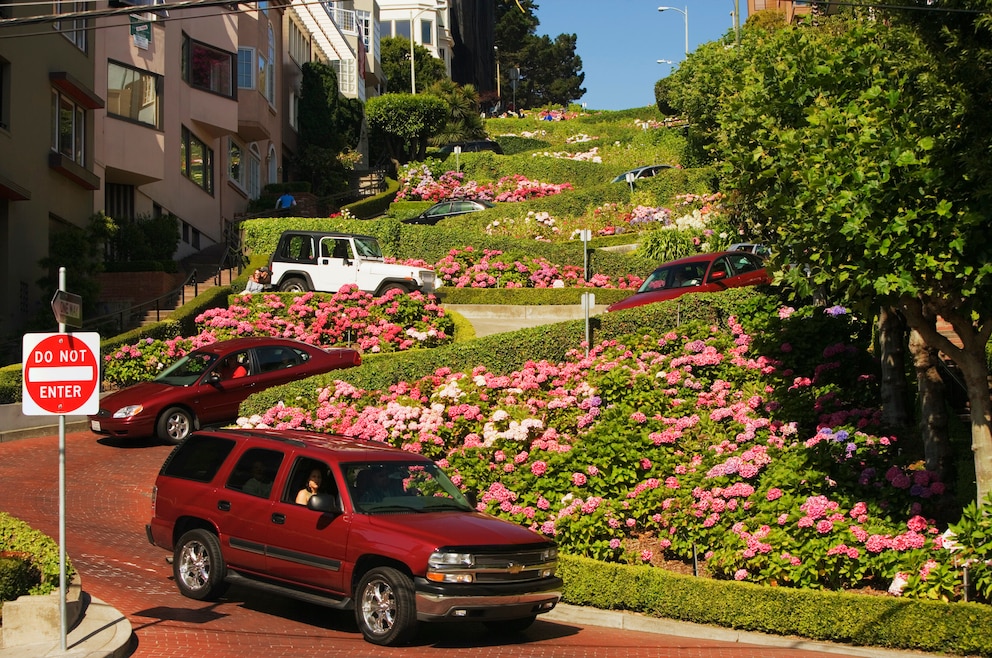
(499, 96)
(413, 72)
(685, 15)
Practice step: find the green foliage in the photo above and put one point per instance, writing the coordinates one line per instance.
(329, 125)
(663, 245)
(17, 577)
(406, 123)
(11, 384)
(17, 536)
(394, 53)
(144, 238)
(464, 122)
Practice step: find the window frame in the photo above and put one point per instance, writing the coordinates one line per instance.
(246, 64)
(75, 149)
(226, 88)
(149, 82)
(188, 140)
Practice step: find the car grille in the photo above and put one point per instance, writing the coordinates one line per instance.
(511, 567)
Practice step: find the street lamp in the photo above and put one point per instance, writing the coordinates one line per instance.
(685, 15)
(499, 96)
(665, 61)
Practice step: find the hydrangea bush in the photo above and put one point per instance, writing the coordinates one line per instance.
(668, 446)
(390, 323)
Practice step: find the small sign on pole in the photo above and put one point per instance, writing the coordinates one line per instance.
(68, 308)
(61, 374)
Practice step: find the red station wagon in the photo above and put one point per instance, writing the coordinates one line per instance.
(208, 385)
(701, 273)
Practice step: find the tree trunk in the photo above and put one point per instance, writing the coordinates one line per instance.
(933, 406)
(970, 358)
(894, 390)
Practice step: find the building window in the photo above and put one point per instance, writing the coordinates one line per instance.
(235, 163)
(246, 68)
(197, 161)
(401, 29)
(208, 68)
(364, 20)
(273, 176)
(294, 111)
(4, 94)
(270, 73)
(426, 32)
(118, 201)
(68, 128)
(133, 94)
(254, 173)
(299, 45)
(73, 29)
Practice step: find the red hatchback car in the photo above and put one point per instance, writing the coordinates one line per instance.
(207, 386)
(702, 273)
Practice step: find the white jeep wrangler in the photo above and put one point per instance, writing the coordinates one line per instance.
(326, 262)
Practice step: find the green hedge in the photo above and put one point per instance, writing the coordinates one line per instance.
(861, 620)
(17, 577)
(17, 536)
(375, 205)
(528, 296)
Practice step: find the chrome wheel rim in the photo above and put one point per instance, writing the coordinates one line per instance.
(194, 565)
(378, 606)
(178, 427)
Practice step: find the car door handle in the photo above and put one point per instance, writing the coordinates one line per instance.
(279, 519)
(224, 505)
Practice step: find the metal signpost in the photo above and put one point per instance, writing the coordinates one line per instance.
(61, 375)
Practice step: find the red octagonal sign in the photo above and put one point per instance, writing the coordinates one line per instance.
(61, 374)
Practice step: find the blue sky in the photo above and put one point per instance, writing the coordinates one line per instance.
(621, 41)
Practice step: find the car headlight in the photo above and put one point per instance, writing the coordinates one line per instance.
(128, 411)
(448, 567)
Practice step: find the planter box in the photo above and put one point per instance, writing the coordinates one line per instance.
(37, 619)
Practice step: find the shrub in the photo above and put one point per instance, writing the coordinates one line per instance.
(19, 537)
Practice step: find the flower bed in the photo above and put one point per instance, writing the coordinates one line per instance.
(675, 445)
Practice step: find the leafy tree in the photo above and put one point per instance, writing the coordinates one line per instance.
(861, 150)
(550, 71)
(463, 122)
(395, 55)
(406, 122)
(329, 125)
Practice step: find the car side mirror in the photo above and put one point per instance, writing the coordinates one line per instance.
(213, 378)
(716, 276)
(324, 502)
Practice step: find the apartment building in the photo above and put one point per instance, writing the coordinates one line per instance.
(427, 21)
(152, 109)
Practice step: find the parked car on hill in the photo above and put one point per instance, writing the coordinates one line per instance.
(701, 273)
(646, 171)
(348, 524)
(448, 208)
(326, 261)
(208, 385)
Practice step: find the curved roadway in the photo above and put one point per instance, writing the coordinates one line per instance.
(108, 496)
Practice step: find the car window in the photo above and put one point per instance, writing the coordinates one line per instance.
(276, 357)
(335, 248)
(657, 280)
(255, 472)
(187, 370)
(688, 275)
(721, 269)
(745, 262)
(235, 366)
(298, 248)
(299, 480)
(198, 458)
(367, 247)
(440, 209)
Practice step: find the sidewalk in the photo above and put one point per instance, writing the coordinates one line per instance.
(102, 632)
(14, 425)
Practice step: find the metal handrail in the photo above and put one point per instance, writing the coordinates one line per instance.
(143, 308)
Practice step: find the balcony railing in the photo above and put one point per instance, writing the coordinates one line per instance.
(345, 19)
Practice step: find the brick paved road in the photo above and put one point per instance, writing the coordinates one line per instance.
(108, 488)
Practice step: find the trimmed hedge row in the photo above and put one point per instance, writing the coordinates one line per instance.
(16, 536)
(855, 619)
(17, 577)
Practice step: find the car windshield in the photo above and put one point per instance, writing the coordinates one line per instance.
(655, 281)
(186, 370)
(368, 247)
(398, 488)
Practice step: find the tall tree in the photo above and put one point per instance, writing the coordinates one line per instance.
(464, 121)
(406, 123)
(329, 124)
(550, 71)
(395, 55)
(861, 150)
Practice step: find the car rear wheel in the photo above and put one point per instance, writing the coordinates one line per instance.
(393, 286)
(198, 565)
(510, 626)
(294, 284)
(175, 425)
(385, 609)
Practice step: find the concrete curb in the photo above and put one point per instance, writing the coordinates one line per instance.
(102, 632)
(15, 425)
(631, 621)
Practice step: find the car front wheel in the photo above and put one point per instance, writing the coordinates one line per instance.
(393, 286)
(294, 285)
(175, 425)
(198, 565)
(385, 609)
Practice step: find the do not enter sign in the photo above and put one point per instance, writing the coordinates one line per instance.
(61, 374)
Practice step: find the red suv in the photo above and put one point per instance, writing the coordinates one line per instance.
(350, 524)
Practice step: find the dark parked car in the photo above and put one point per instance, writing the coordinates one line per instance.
(703, 273)
(209, 384)
(449, 208)
(471, 147)
(646, 171)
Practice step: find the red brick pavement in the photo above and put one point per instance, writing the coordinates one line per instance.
(108, 487)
